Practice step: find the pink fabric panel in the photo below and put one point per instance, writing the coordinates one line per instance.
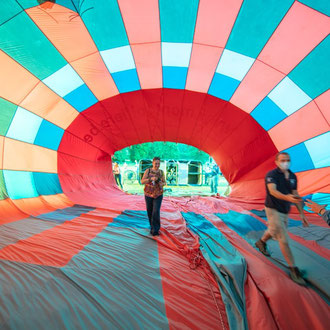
(323, 102)
(300, 31)
(203, 62)
(258, 82)
(215, 20)
(300, 126)
(148, 61)
(141, 19)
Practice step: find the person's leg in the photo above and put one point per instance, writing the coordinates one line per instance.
(271, 223)
(149, 205)
(116, 179)
(157, 202)
(119, 180)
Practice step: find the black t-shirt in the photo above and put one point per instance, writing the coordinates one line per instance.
(283, 185)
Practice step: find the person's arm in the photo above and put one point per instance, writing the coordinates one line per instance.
(301, 210)
(145, 179)
(319, 209)
(277, 194)
(162, 180)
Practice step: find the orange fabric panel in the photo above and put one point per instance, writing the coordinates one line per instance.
(42, 204)
(258, 82)
(317, 180)
(300, 126)
(148, 61)
(2, 140)
(9, 212)
(300, 31)
(83, 54)
(141, 19)
(23, 156)
(203, 63)
(215, 20)
(65, 29)
(96, 76)
(15, 81)
(45, 103)
(323, 102)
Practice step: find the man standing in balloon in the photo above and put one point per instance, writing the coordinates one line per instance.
(281, 191)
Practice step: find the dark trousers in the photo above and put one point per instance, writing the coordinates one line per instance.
(153, 210)
(118, 180)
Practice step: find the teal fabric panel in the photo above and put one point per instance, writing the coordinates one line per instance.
(22, 40)
(312, 74)
(7, 112)
(227, 264)
(8, 10)
(255, 23)
(322, 6)
(104, 22)
(177, 20)
(128, 282)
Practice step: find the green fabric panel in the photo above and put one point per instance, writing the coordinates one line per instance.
(8, 9)
(3, 191)
(254, 25)
(322, 6)
(21, 39)
(7, 111)
(312, 75)
(177, 20)
(104, 22)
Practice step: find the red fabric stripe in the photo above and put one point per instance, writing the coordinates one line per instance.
(56, 246)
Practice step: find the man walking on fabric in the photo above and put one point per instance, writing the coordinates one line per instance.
(281, 191)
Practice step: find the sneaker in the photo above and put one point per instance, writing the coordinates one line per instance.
(262, 246)
(155, 233)
(296, 276)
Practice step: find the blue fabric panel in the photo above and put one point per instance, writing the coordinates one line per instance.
(47, 183)
(223, 86)
(81, 98)
(19, 184)
(49, 135)
(300, 158)
(136, 219)
(241, 223)
(227, 264)
(268, 114)
(126, 81)
(174, 77)
(66, 214)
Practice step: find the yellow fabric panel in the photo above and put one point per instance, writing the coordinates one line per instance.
(28, 157)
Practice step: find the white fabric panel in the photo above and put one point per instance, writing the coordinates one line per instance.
(319, 150)
(64, 81)
(176, 54)
(24, 126)
(234, 65)
(118, 59)
(288, 96)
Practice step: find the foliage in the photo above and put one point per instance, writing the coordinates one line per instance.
(164, 150)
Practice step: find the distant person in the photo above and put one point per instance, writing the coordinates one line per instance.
(154, 181)
(319, 209)
(214, 179)
(207, 174)
(116, 172)
(281, 191)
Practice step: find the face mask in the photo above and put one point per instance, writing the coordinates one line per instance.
(284, 165)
